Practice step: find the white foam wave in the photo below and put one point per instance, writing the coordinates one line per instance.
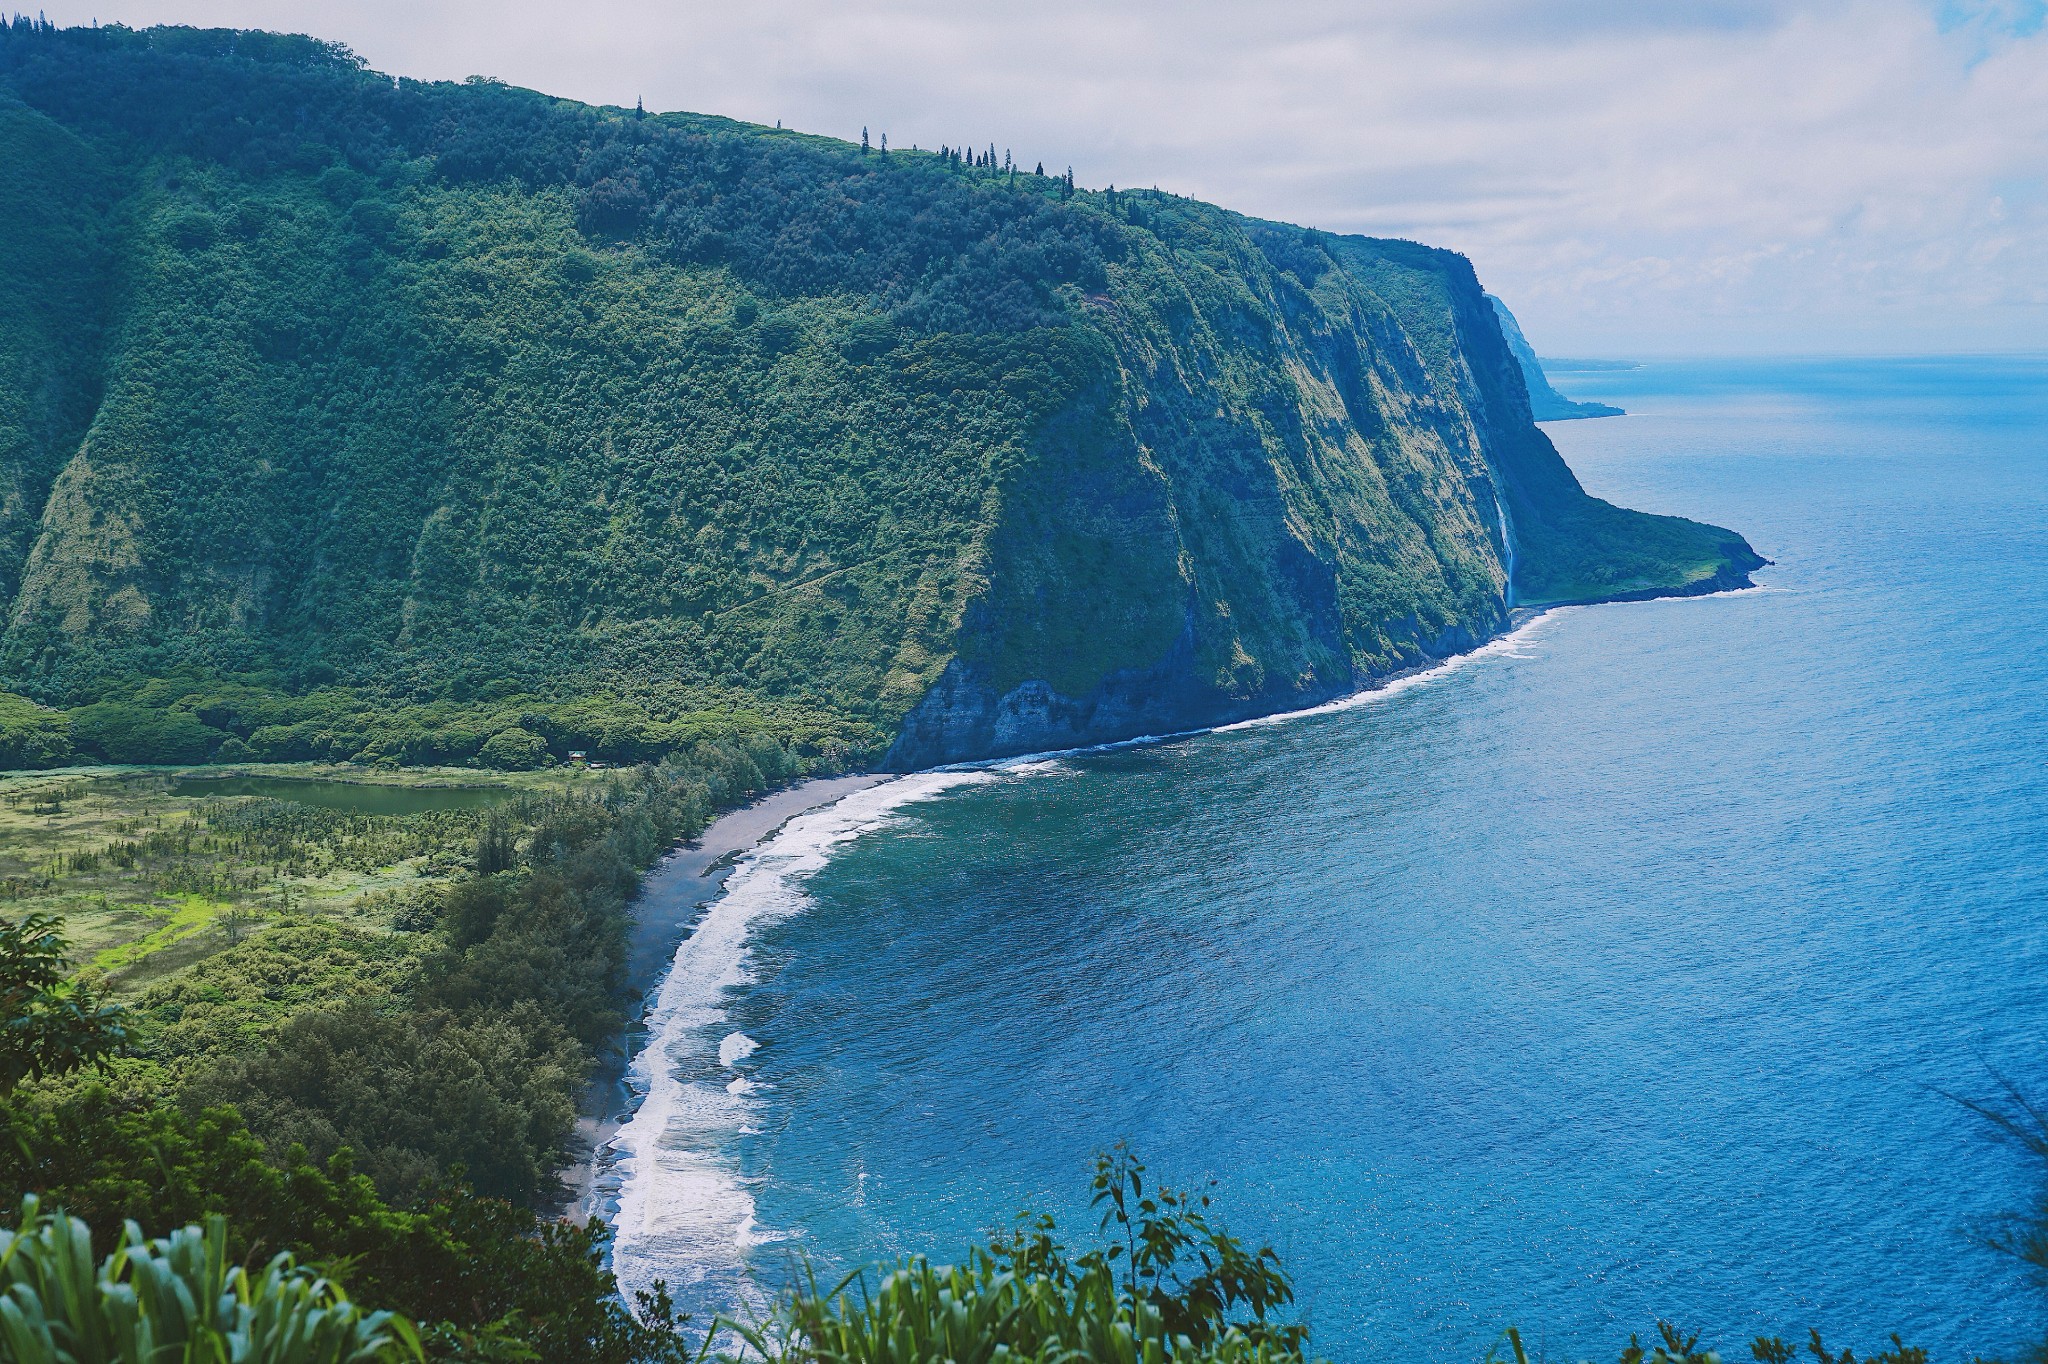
(1026, 766)
(684, 1213)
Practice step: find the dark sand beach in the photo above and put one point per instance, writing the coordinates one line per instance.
(670, 902)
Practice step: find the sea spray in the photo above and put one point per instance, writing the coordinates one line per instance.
(684, 1212)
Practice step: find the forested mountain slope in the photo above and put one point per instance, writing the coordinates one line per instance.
(317, 383)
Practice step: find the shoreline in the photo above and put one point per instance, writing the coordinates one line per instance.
(685, 883)
(673, 896)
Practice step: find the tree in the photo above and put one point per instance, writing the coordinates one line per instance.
(484, 1280)
(48, 1025)
(863, 141)
(514, 750)
(2019, 1119)
(176, 1297)
(234, 921)
(497, 847)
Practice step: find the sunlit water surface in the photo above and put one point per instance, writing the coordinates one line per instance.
(1612, 974)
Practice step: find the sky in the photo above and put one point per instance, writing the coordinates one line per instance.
(1634, 178)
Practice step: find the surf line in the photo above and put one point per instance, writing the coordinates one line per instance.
(682, 1207)
(683, 1210)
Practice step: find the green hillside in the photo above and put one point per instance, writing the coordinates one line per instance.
(348, 418)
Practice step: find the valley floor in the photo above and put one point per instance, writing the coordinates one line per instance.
(153, 870)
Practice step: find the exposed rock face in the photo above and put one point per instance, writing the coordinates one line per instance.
(962, 719)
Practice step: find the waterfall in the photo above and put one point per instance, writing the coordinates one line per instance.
(1507, 544)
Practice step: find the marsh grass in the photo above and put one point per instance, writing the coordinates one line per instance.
(150, 882)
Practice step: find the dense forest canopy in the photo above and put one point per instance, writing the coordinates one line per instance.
(369, 395)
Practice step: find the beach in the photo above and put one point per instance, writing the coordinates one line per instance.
(672, 898)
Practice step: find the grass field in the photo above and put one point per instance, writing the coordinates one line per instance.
(149, 880)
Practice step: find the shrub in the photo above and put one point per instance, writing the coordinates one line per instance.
(417, 1092)
(125, 733)
(32, 736)
(175, 1298)
(48, 1025)
(1169, 1284)
(484, 1279)
(514, 750)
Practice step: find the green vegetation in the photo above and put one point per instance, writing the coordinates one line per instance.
(1168, 1283)
(339, 412)
(149, 879)
(1545, 403)
(185, 719)
(436, 434)
(362, 1035)
(1569, 547)
(178, 1297)
(482, 1278)
(48, 1025)
(32, 736)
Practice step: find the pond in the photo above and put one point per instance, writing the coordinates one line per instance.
(362, 798)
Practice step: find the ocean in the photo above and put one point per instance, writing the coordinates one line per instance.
(1629, 968)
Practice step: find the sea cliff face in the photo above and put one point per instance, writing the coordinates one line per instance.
(1545, 402)
(1344, 466)
(312, 376)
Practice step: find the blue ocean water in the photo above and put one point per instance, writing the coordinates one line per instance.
(1615, 973)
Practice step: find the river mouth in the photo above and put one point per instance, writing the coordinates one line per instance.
(358, 798)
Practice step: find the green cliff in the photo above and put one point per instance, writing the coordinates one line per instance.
(1546, 404)
(314, 379)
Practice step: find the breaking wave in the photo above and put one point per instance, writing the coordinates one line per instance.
(684, 1213)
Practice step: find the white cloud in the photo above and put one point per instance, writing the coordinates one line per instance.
(1744, 174)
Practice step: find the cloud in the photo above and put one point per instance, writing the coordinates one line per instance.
(1742, 174)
